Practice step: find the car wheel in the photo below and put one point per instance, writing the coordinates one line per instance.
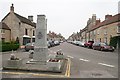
(101, 49)
(112, 50)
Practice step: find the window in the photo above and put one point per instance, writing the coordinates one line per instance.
(100, 39)
(33, 33)
(26, 32)
(105, 40)
(118, 30)
(2, 31)
(105, 32)
(98, 32)
(3, 39)
(94, 32)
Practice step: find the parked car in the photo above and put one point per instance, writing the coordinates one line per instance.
(77, 43)
(88, 44)
(74, 42)
(56, 43)
(51, 43)
(81, 44)
(61, 41)
(29, 46)
(48, 44)
(102, 46)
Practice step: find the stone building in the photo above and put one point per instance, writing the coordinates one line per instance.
(5, 32)
(101, 31)
(21, 28)
(54, 36)
(107, 29)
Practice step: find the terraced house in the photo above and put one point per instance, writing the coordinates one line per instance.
(102, 31)
(19, 28)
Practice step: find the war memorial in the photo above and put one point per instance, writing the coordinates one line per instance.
(38, 59)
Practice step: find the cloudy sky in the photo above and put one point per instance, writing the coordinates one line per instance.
(64, 16)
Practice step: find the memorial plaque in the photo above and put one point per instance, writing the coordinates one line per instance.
(39, 35)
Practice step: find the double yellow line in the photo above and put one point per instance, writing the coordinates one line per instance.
(67, 73)
(35, 74)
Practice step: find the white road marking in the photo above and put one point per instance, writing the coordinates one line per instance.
(106, 65)
(70, 56)
(84, 60)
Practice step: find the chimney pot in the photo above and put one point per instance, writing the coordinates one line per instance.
(30, 18)
(12, 8)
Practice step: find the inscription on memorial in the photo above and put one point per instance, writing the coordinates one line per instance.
(39, 35)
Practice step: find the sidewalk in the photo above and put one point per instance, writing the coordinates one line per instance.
(14, 51)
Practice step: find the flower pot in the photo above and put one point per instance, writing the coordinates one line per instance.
(54, 65)
(14, 63)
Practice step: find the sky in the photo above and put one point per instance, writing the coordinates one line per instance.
(63, 16)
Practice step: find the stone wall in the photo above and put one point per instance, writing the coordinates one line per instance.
(5, 35)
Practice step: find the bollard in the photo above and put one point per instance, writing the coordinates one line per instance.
(12, 56)
(31, 54)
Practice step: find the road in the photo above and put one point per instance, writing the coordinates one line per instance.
(89, 63)
(84, 62)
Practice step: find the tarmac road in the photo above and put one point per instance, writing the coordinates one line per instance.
(84, 63)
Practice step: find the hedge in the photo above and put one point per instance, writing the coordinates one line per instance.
(8, 46)
(114, 41)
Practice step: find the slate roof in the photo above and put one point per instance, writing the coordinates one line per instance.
(113, 19)
(4, 26)
(22, 19)
(84, 29)
(25, 20)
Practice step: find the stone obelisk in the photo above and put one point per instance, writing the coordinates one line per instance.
(41, 48)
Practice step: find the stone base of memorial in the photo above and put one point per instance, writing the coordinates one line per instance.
(54, 65)
(13, 64)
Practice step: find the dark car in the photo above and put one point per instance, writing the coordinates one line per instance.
(102, 46)
(51, 43)
(88, 44)
(29, 46)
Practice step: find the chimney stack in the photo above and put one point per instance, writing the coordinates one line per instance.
(98, 21)
(107, 16)
(94, 17)
(12, 8)
(30, 18)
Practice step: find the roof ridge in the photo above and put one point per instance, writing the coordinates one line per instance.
(25, 20)
(114, 18)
